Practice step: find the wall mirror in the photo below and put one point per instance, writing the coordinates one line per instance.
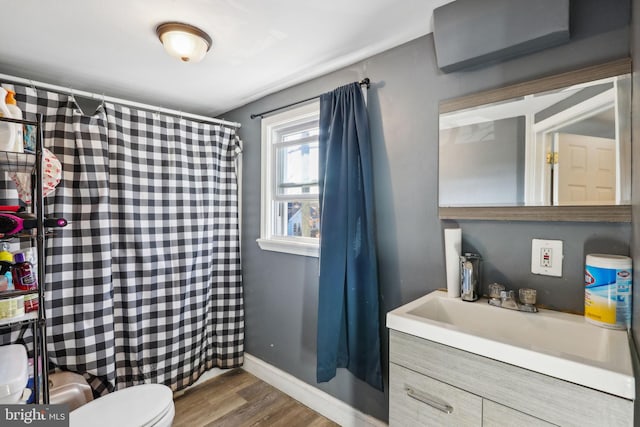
(556, 148)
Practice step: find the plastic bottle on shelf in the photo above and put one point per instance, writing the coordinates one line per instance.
(31, 256)
(16, 113)
(6, 263)
(24, 276)
(7, 130)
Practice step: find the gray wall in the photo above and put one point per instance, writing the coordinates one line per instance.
(635, 186)
(281, 289)
(635, 166)
(499, 147)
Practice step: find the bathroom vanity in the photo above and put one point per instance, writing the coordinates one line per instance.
(455, 363)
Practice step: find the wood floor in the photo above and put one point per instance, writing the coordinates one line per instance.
(238, 398)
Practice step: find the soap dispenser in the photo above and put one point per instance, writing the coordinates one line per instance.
(470, 276)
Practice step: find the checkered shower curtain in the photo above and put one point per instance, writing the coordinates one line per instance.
(144, 285)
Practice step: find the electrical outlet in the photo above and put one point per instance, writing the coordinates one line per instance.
(546, 257)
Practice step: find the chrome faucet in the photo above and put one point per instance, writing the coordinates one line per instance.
(508, 300)
(500, 297)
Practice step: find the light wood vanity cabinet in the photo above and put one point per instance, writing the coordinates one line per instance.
(435, 385)
(496, 415)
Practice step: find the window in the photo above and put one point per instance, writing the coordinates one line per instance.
(290, 203)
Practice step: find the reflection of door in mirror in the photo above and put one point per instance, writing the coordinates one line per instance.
(584, 141)
(584, 172)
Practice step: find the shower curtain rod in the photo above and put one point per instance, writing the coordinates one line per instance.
(364, 82)
(61, 89)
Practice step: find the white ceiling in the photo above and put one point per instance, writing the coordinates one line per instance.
(259, 46)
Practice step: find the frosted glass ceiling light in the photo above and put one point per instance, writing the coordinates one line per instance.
(185, 42)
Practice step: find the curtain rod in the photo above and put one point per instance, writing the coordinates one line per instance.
(364, 82)
(120, 101)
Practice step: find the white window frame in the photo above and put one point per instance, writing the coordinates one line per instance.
(297, 245)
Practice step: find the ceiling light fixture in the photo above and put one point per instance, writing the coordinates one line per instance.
(184, 41)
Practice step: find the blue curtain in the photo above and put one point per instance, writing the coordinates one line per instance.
(348, 317)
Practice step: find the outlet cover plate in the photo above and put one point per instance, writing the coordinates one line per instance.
(551, 247)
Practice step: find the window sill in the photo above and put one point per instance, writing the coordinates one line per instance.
(287, 246)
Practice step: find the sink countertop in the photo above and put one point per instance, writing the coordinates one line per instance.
(561, 345)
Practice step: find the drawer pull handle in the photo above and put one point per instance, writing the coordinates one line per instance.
(434, 403)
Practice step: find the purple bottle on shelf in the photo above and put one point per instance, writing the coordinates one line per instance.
(24, 275)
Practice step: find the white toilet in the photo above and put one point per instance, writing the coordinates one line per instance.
(147, 405)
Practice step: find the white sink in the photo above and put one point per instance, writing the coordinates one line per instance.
(557, 344)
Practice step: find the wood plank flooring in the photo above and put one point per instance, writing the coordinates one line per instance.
(238, 398)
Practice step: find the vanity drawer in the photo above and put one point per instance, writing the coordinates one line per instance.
(496, 415)
(417, 400)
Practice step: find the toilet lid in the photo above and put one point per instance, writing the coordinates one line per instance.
(137, 406)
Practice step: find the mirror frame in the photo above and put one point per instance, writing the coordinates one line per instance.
(598, 213)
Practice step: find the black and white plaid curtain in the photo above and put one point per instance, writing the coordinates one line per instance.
(145, 283)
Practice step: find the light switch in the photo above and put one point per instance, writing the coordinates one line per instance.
(546, 257)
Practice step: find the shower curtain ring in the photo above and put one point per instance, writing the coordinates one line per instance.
(78, 108)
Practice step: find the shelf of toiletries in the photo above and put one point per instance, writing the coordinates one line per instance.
(35, 172)
(24, 235)
(12, 293)
(18, 139)
(17, 162)
(23, 319)
(19, 293)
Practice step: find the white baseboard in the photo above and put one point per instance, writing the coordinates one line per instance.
(211, 373)
(316, 399)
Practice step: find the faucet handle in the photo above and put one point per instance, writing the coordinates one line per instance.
(495, 289)
(527, 296)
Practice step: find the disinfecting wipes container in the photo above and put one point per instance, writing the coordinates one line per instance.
(607, 290)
